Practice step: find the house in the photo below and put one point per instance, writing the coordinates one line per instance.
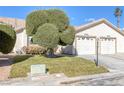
(101, 33)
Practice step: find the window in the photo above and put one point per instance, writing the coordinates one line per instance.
(108, 36)
(83, 38)
(91, 38)
(86, 35)
(78, 38)
(87, 38)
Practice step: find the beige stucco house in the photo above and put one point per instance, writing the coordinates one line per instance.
(101, 33)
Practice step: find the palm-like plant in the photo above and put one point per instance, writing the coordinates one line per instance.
(118, 13)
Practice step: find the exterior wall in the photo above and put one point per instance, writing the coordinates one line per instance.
(21, 40)
(67, 49)
(103, 30)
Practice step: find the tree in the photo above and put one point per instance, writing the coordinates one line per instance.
(118, 13)
(7, 38)
(47, 36)
(50, 28)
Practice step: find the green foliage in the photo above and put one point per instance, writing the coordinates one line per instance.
(58, 18)
(40, 17)
(34, 20)
(19, 58)
(47, 36)
(7, 38)
(49, 28)
(67, 37)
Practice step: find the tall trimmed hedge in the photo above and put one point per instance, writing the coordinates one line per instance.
(7, 38)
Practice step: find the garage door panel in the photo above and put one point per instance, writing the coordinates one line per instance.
(86, 46)
(108, 46)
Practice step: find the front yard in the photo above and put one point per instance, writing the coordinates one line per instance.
(70, 66)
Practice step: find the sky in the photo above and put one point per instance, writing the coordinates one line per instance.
(78, 15)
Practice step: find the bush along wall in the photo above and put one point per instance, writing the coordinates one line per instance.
(7, 38)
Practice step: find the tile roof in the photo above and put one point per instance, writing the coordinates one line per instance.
(16, 23)
(96, 22)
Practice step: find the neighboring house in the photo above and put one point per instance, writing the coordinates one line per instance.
(110, 39)
(19, 26)
(21, 40)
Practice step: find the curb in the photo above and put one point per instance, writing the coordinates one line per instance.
(102, 76)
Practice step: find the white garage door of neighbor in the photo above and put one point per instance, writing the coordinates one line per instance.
(108, 46)
(85, 46)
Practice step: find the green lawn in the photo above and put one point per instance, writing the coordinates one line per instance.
(70, 66)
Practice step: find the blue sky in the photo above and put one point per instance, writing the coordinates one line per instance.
(78, 14)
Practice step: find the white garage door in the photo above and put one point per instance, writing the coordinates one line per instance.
(108, 46)
(85, 46)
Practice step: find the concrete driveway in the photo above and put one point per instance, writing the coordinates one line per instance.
(114, 62)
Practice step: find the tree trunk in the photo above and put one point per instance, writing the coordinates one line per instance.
(118, 22)
(50, 53)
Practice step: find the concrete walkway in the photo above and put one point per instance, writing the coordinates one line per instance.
(5, 66)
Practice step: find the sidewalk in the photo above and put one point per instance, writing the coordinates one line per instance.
(112, 78)
(5, 66)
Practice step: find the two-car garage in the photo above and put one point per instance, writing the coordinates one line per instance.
(98, 35)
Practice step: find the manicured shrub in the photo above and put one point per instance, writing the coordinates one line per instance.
(34, 20)
(40, 17)
(58, 18)
(7, 38)
(34, 49)
(67, 36)
(47, 36)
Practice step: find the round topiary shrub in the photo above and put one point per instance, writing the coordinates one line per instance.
(58, 18)
(7, 38)
(67, 36)
(34, 20)
(47, 36)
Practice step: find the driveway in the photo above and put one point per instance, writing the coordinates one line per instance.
(114, 62)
